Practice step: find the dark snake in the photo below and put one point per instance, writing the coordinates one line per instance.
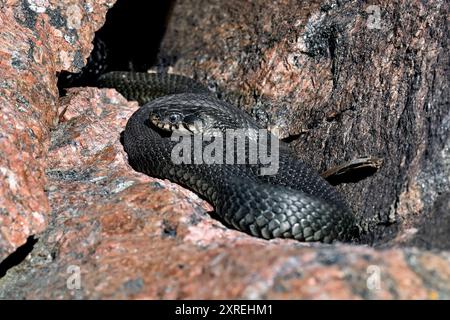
(294, 203)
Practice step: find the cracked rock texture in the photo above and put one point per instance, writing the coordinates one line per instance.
(38, 38)
(332, 81)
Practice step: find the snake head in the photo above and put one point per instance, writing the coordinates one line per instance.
(196, 114)
(176, 121)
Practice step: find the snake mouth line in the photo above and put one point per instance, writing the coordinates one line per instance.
(178, 127)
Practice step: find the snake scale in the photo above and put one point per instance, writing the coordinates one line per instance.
(294, 203)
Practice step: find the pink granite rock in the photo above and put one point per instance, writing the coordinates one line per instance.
(37, 40)
(105, 231)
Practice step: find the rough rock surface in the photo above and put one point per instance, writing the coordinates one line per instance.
(38, 38)
(339, 80)
(106, 231)
(131, 236)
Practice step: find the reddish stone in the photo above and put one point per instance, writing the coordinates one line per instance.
(37, 40)
(135, 237)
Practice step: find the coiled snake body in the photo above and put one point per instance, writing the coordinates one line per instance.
(294, 203)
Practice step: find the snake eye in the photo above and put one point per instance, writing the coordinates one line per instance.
(174, 118)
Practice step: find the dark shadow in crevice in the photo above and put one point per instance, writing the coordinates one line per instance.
(128, 41)
(17, 256)
(291, 138)
(352, 176)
